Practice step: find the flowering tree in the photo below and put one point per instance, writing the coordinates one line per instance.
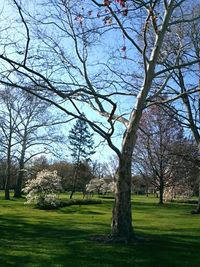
(100, 186)
(43, 190)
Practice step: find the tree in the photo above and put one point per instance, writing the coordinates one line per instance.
(31, 132)
(82, 147)
(105, 169)
(184, 154)
(100, 185)
(65, 171)
(8, 123)
(189, 114)
(43, 189)
(64, 66)
(24, 125)
(158, 133)
(37, 164)
(3, 174)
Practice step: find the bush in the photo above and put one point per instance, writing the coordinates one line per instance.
(43, 190)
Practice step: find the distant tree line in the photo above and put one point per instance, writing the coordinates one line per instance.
(166, 157)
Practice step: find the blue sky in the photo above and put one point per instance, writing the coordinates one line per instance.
(99, 53)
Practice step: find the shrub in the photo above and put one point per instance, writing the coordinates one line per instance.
(43, 190)
(100, 186)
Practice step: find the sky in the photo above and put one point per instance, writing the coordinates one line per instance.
(99, 54)
(103, 152)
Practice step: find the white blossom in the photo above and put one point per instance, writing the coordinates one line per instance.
(43, 189)
(100, 186)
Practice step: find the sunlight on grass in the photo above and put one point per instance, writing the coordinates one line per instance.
(33, 237)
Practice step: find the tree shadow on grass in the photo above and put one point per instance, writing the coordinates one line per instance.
(172, 250)
(26, 243)
(79, 210)
(175, 208)
(36, 244)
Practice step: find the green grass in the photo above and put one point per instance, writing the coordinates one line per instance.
(32, 237)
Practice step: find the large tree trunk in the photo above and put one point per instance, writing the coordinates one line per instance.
(121, 227)
(122, 218)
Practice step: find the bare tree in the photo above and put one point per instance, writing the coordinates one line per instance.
(32, 133)
(78, 66)
(157, 153)
(186, 86)
(24, 127)
(192, 104)
(8, 123)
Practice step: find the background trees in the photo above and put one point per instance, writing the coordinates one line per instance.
(24, 134)
(31, 132)
(160, 151)
(158, 131)
(187, 80)
(10, 114)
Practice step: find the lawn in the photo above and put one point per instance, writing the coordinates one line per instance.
(32, 237)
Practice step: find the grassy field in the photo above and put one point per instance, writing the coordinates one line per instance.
(32, 237)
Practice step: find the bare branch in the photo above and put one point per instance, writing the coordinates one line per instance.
(27, 31)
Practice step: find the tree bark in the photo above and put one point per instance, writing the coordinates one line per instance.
(198, 205)
(7, 186)
(72, 193)
(74, 180)
(122, 218)
(161, 190)
(7, 194)
(8, 171)
(18, 186)
(121, 227)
